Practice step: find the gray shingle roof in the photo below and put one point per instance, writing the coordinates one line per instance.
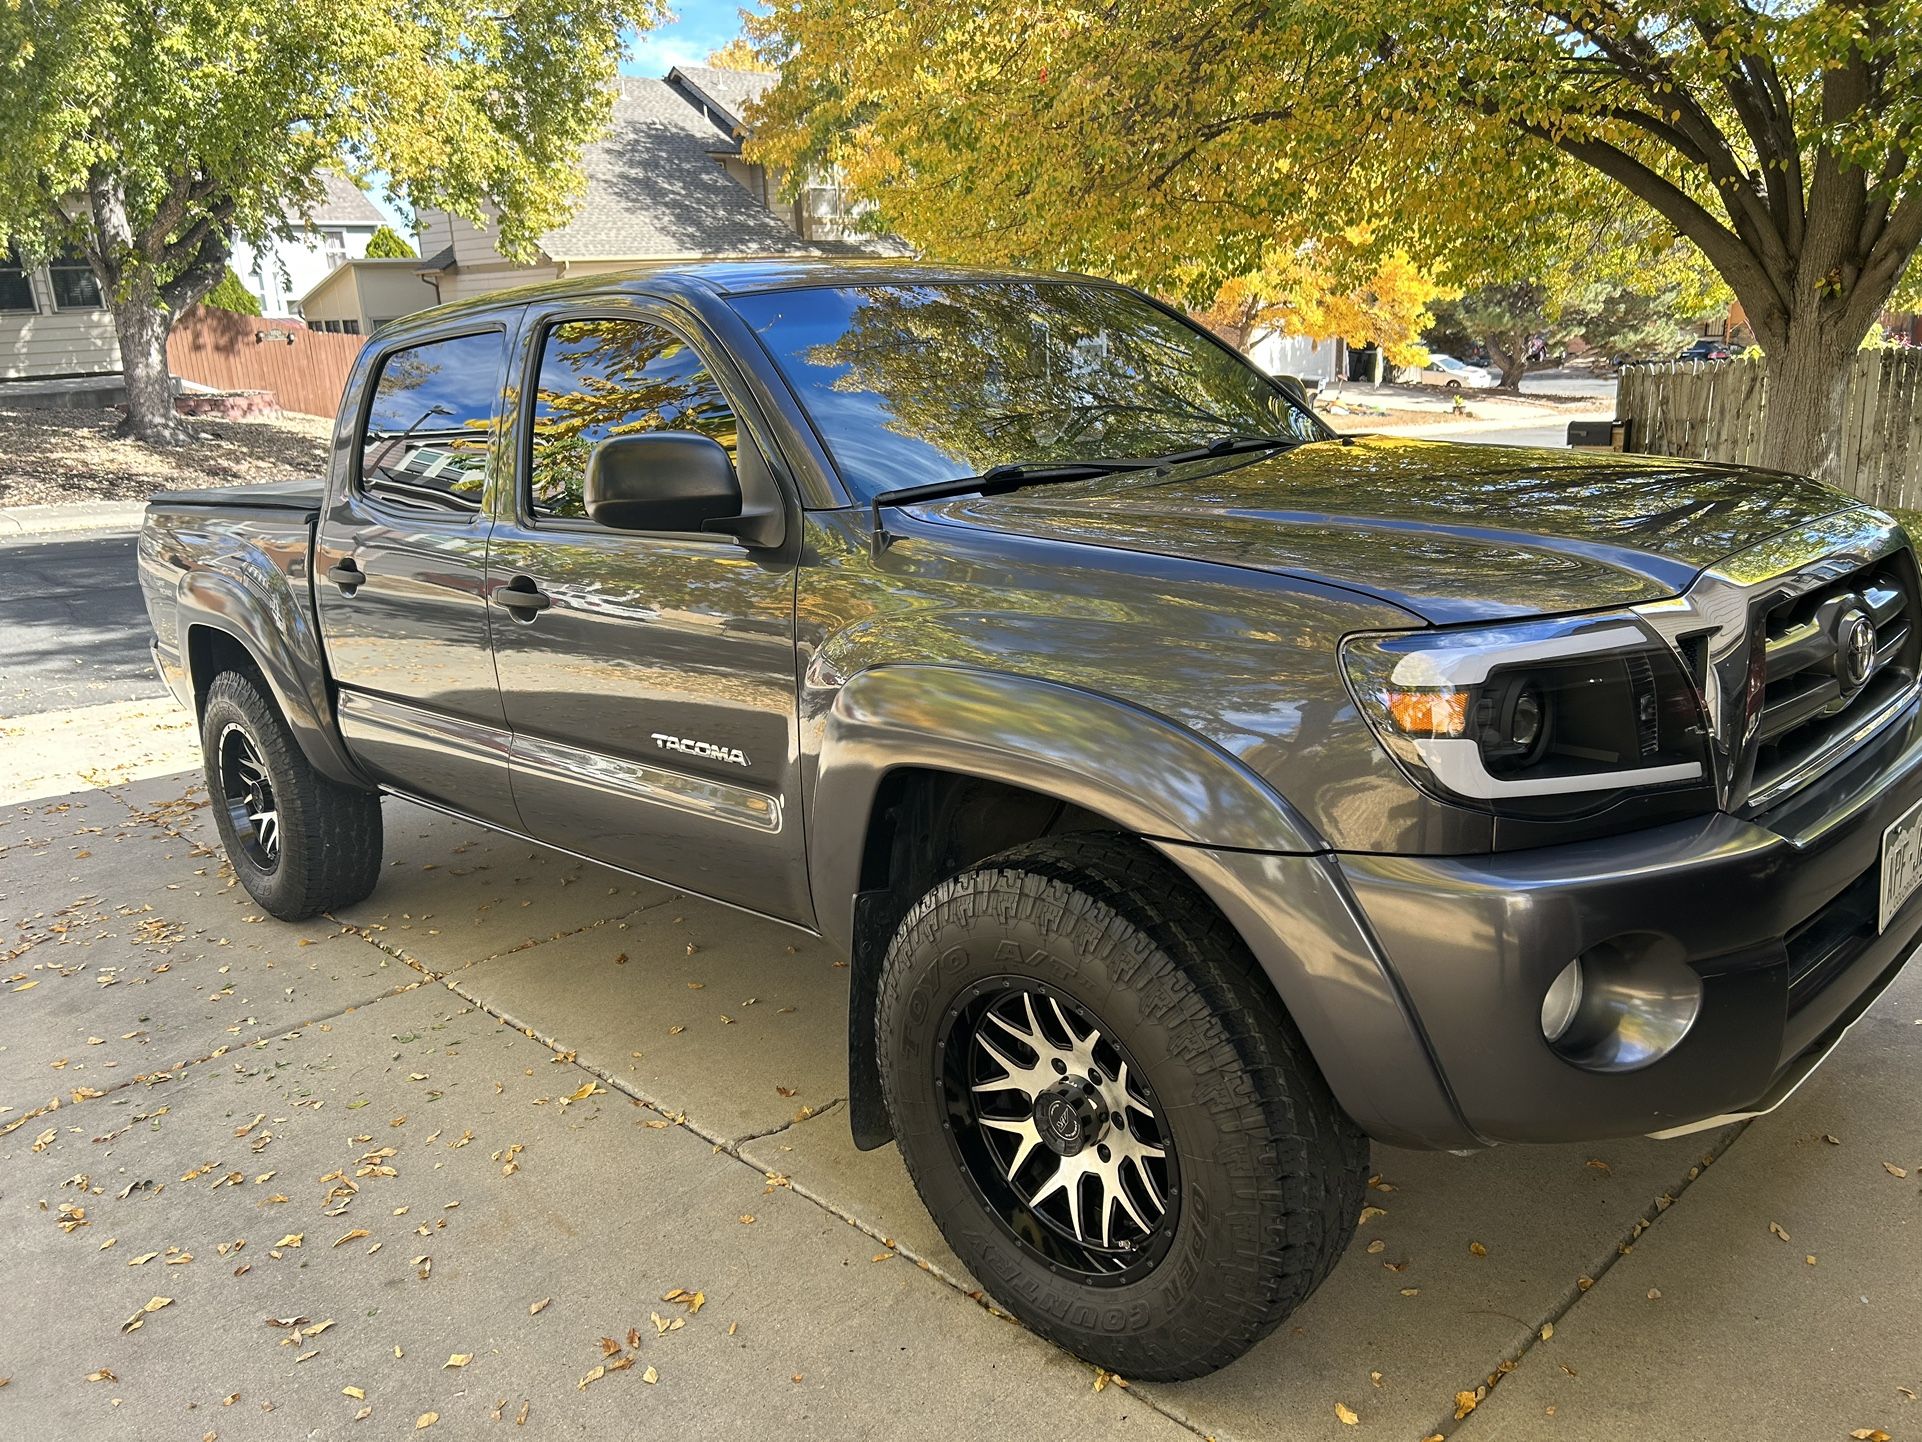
(654, 191)
(732, 90)
(345, 204)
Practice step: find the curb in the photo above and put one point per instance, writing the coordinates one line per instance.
(75, 516)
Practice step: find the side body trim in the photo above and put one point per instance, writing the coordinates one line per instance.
(704, 796)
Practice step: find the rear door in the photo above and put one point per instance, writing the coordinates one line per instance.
(652, 697)
(401, 565)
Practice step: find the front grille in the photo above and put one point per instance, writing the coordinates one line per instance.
(1834, 936)
(1832, 659)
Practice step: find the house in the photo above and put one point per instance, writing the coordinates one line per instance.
(668, 182)
(54, 326)
(286, 267)
(357, 297)
(52, 322)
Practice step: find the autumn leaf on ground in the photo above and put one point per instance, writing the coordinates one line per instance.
(536, 1308)
(353, 1236)
(593, 1376)
(426, 1419)
(650, 1376)
(459, 1359)
(1466, 1402)
(1347, 1415)
(1477, 1249)
(1869, 1434)
(1776, 1227)
(1893, 1170)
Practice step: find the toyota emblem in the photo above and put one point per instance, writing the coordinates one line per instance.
(1856, 650)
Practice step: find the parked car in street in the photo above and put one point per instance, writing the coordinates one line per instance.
(1706, 349)
(1454, 375)
(1195, 793)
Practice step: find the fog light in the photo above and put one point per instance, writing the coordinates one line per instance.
(1622, 1005)
(1564, 999)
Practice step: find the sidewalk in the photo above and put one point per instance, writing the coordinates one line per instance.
(357, 1150)
(71, 516)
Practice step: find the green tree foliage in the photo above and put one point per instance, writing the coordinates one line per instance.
(147, 137)
(1184, 145)
(232, 294)
(388, 244)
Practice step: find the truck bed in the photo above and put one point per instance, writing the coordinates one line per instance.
(303, 495)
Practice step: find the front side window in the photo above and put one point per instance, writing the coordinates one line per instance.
(910, 384)
(602, 378)
(431, 422)
(16, 282)
(74, 286)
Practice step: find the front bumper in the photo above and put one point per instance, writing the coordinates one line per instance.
(1776, 913)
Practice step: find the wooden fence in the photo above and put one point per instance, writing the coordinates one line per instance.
(305, 369)
(1713, 411)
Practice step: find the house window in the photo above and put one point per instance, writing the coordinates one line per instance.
(74, 286)
(16, 282)
(334, 244)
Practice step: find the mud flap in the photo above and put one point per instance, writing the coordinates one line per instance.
(875, 916)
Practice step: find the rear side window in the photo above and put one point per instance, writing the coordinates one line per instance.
(602, 378)
(431, 422)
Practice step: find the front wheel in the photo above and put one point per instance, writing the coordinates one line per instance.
(299, 843)
(1106, 1111)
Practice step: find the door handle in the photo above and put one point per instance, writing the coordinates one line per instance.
(522, 597)
(346, 575)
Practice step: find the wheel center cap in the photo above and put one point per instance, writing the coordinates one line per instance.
(1070, 1116)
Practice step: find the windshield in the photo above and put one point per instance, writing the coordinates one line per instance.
(910, 384)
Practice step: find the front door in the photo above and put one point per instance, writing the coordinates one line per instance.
(401, 568)
(652, 696)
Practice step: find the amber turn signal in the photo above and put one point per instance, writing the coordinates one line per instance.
(1429, 713)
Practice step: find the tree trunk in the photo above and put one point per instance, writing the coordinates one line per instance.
(1508, 353)
(142, 326)
(1807, 399)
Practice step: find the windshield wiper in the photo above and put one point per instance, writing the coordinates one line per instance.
(996, 480)
(1230, 446)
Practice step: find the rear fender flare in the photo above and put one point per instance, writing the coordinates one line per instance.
(267, 623)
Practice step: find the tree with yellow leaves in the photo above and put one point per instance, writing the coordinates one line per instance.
(1174, 142)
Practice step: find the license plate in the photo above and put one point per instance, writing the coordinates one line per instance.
(1901, 863)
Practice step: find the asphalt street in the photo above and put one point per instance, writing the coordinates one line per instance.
(72, 628)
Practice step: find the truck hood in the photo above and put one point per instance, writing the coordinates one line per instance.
(1448, 531)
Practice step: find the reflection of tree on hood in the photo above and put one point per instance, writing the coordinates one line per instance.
(602, 378)
(1038, 371)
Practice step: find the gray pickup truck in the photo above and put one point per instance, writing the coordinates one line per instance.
(1196, 793)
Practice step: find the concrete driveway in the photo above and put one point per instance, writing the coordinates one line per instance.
(525, 1141)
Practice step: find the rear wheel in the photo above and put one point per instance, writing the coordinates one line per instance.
(299, 843)
(1107, 1112)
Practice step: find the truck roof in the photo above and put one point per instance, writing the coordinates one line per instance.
(741, 277)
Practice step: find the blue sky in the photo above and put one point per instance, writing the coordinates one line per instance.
(697, 28)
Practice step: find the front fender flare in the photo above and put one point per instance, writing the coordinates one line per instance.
(1140, 770)
(268, 623)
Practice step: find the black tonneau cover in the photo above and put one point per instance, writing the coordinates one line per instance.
(300, 495)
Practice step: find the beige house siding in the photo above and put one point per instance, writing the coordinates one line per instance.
(369, 293)
(53, 342)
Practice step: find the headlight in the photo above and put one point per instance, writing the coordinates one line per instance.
(1532, 711)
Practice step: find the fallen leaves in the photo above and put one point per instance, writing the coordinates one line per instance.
(1776, 1227)
(534, 1309)
(457, 1360)
(1893, 1170)
(1347, 1415)
(138, 1319)
(1477, 1249)
(1466, 1402)
(426, 1420)
(1869, 1434)
(355, 1235)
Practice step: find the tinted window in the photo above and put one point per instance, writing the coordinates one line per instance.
(431, 422)
(602, 378)
(910, 384)
(16, 286)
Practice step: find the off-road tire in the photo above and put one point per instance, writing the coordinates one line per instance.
(1272, 1171)
(329, 834)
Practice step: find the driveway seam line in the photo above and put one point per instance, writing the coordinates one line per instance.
(1513, 1355)
(732, 1148)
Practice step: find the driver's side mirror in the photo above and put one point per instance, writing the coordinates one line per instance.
(675, 481)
